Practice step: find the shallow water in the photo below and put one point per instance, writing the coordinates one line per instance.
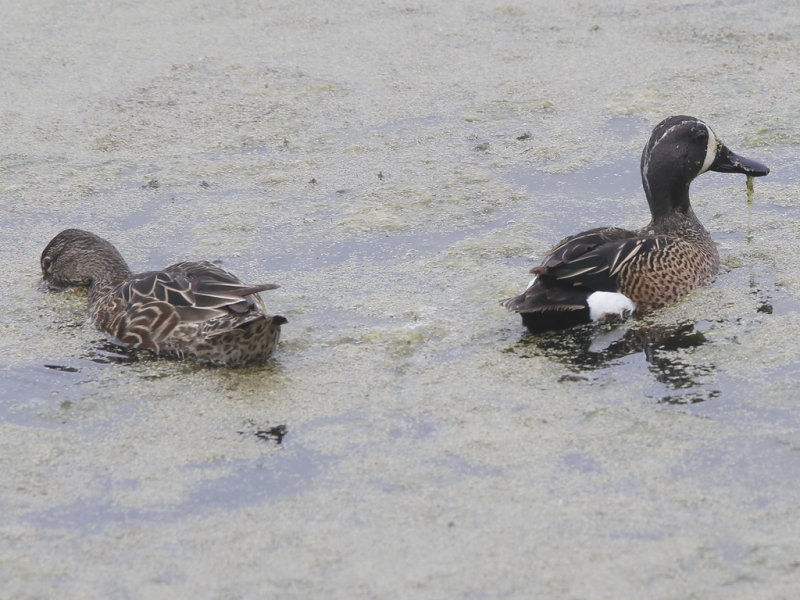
(397, 168)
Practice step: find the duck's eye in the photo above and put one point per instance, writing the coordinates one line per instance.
(46, 263)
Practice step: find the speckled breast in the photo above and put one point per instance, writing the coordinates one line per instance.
(662, 278)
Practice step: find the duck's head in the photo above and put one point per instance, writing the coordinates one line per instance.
(77, 257)
(680, 149)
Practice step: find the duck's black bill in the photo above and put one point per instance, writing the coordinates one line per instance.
(729, 162)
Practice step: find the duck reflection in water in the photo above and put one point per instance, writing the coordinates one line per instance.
(663, 347)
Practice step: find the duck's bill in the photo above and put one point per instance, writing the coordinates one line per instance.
(49, 286)
(730, 162)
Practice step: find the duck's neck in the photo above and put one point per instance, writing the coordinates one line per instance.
(666, 196)
(684, 223)
(113, 272)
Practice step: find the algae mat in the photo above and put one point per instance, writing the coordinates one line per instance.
(397, 167)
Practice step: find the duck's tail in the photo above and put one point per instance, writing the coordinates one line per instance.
(545, 306)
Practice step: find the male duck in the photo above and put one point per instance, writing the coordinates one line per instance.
(189, 310)
(610, 273)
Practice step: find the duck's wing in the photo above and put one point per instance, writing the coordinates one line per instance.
(198, 291)
(593, 259)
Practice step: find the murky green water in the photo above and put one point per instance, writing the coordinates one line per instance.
(397, 168)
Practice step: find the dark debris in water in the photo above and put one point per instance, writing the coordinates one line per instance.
(105, 352)
(274, 434)
(64, 368)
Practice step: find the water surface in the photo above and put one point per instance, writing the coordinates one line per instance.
(397, 168)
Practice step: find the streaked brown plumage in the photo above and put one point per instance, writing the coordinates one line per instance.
(610, 272)
(193, 310)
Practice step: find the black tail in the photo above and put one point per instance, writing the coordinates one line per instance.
(545, 306)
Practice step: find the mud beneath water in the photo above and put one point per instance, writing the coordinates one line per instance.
(397, 167)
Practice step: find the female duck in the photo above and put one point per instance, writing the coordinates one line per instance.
(609, 273)
(189, 310)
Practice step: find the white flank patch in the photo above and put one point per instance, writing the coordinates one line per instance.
(711, 149)
(530, 285)
(603, 305)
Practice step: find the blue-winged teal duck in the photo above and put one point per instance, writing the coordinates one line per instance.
(189, 310)
(610, 273)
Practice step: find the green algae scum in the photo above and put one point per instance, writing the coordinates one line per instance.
(397, 168)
